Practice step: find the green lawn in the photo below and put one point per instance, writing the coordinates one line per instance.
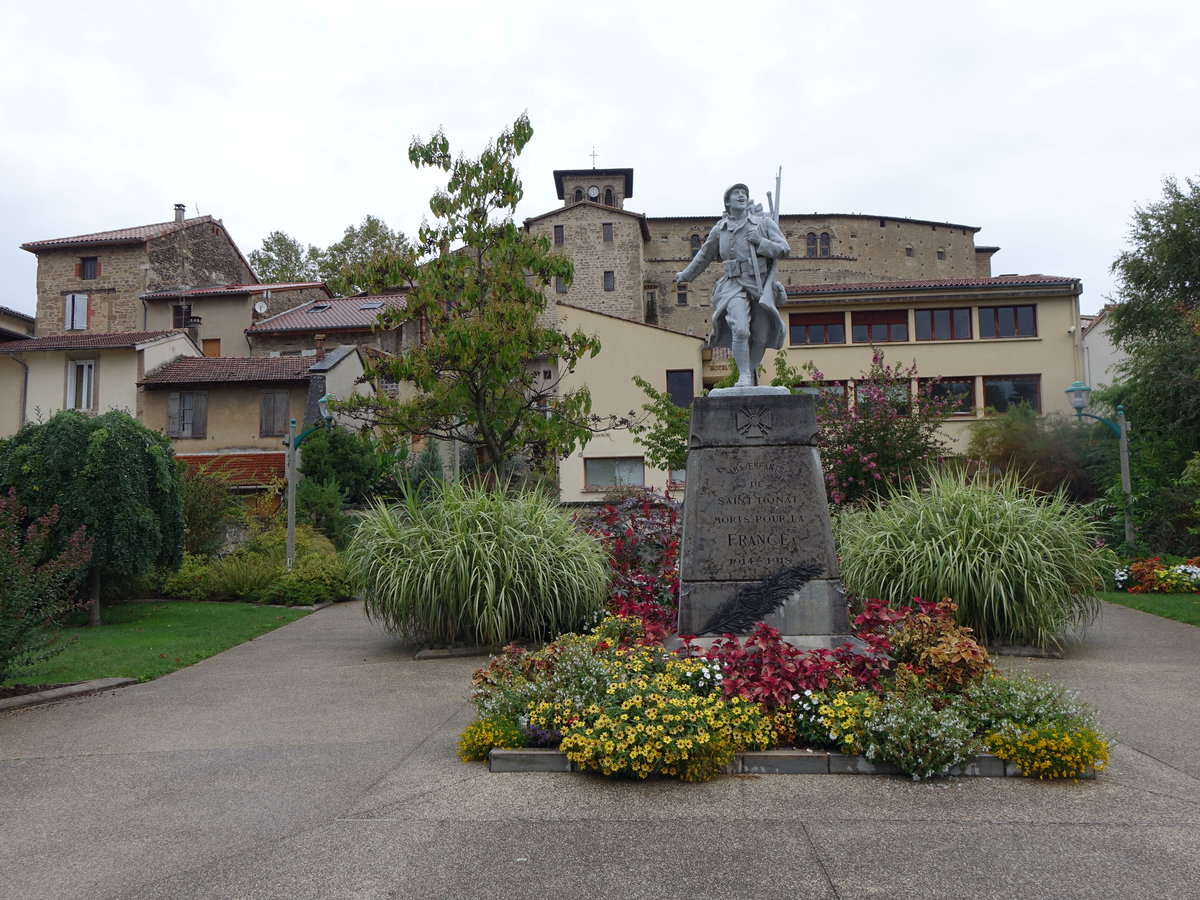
(147, 640)
(1180, 607)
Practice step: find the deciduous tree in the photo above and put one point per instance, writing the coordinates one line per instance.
(474, 280)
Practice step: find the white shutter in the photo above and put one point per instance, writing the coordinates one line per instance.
(76, 312)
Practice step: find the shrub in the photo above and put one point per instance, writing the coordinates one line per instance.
(912, 733)
(38, 584)
(1043, 453)
(1021, 567)
(473, 565)
(209, 509)
(272, 543)
(323, 503)
(481, 736)
(344, 458)
(244, 577)
(641, 533)
(193, 580)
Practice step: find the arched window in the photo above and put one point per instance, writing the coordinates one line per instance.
(578, 195)
(608, 197)
(695, 244)
(810, 244)
(824, 243)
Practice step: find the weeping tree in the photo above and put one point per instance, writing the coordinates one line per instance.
(109, 474)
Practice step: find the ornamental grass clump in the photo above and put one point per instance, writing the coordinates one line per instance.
(471, 565)
(1022, 567)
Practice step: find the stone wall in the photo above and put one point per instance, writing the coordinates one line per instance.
(113, 303)
(583, 233)
(200, 255)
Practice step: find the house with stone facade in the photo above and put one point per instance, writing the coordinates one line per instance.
(917, 290)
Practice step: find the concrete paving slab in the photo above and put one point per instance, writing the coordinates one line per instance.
(319, 761)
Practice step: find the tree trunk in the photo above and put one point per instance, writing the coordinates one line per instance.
(94, 590)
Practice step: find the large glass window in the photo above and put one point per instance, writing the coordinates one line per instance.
(817, 328)
(960, 390)
(612, 472)
(1007, 321)
(1001, 392)
(942, 324)
(681, 386)
(879, 326)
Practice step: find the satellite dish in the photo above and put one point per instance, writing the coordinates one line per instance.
(260, 307)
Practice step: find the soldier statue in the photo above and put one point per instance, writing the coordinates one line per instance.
(745, 315)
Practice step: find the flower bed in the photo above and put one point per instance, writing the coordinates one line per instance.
(1154, 576)
(920, 697)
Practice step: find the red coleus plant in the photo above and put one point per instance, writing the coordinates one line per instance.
(768, 670)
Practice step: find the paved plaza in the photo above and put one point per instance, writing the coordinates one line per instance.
(318, 762)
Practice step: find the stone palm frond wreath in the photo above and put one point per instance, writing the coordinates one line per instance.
(755, 602)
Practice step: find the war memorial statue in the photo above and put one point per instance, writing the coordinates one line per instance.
(757, 544)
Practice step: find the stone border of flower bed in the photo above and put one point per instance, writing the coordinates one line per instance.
(767, 762)
(64, 692)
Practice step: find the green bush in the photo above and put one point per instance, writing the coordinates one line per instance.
(473, 565)
(209, 509)
(193, 580)
(244, 576)
(918, 737)
(315, 578)
(272, 543)
(1021, 567)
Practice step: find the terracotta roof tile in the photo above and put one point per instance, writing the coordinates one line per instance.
(16, 314)
(117, 236)
(257, 469)
(233, 289)
(349, 313)
(88, 341)
(207, 370)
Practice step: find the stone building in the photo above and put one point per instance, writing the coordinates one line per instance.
(920, 291)
(95, 282)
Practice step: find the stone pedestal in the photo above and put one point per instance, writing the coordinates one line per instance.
(755, 505)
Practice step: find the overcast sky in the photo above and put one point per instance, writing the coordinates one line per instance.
(1043, 123)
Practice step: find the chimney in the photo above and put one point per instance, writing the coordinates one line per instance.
(180, 209)
(319, 343)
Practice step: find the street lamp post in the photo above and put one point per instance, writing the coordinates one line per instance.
(1078, 394)
(293, 443)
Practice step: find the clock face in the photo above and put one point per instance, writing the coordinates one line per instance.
(593, 192)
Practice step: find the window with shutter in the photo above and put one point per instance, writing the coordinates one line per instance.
(76, 314)
(187, 414)
(273, 414)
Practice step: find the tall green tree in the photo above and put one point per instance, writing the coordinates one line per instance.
(110, 474)
(373, 239)
(283, 259)
(475, 280)
(1156, 322)
(1156, 319)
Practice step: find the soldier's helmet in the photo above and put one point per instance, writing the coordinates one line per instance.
(733, 188)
